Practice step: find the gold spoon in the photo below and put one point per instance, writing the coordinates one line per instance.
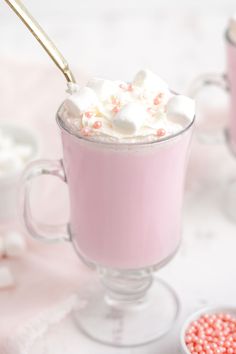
(42, 38)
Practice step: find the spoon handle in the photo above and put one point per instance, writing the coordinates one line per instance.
(41, 37)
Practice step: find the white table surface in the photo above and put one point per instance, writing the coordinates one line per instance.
(177, 40)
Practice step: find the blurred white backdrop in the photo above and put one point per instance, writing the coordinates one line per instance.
(177, 39)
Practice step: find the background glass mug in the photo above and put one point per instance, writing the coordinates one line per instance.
(125, 221)
(227, 82)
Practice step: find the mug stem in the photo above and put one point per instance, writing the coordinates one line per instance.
(127, 308)
(126, 288)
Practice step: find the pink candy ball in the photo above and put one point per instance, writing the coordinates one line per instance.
(212, 334)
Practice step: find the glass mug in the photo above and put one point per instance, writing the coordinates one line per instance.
(125, 221)
(227, 82)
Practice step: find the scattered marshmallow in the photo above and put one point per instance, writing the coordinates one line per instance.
(149, 81)
(130, 118)
(232, 29)
(6, 141)
(14, 243)
(24, 151)
(180, 109)
(85, 99)
(104, 89)
(10, 162)
(6, 278)
(13, 154)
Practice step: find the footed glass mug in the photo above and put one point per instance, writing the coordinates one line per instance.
(227, 82)
(125, 221)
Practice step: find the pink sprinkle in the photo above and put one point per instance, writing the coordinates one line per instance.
(156, 100)
(227, 317)
(212, 334)
(161, 132)
(85, 131)
(209, 330)
(88, 114)
(149, 109)
(116, 109)
(188, 339)
(227, 344)
(230, 351)
(198, 348)
(97, 124)
(190, 347)
(115, 100)
(130, 87)
(200, 341)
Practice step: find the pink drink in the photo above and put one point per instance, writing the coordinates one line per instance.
(231, 57)
(125, 200)
(125, 147)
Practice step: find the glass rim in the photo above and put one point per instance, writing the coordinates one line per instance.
(228, 39)
(62, 126)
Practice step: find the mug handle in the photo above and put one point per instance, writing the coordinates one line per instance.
(40, 231)
(203, 82)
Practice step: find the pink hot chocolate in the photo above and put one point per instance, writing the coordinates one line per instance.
(125, 169)
(125, 201)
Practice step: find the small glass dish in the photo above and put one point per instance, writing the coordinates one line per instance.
(231, 310)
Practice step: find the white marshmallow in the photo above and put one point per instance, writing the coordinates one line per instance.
(24, 151)
(6, 278)
(6, 142)
(232, 29)
(14, 243)
(130, 118)
(180, 109)
(149, 81)
(82, 101)
(72, 88)
(104, 89)
(10, 162)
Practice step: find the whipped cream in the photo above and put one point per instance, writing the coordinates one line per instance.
(232, 29)
(144, 109)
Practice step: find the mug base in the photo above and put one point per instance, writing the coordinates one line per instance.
(128, 319)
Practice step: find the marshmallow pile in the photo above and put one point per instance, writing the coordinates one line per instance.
(145, 108)
(12, 244)
(13, 154)
(6, 278)
(232, 29)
